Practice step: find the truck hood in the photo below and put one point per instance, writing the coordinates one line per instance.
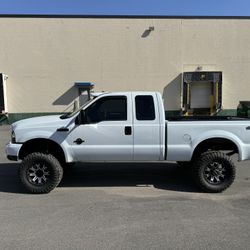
(41, 121)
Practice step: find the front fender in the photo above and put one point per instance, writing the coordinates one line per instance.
(59, 139)
(22, 137)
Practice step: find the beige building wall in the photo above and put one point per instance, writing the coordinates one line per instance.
(43, 57)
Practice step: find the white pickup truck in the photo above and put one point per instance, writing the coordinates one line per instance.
(127, 126)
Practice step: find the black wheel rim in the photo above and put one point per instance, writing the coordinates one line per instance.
(215, 173)
(39, 173)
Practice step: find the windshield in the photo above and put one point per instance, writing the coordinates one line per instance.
(70, 114)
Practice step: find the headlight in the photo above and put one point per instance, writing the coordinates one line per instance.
(13, 137)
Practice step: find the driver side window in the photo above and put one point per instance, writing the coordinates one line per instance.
(107, 109)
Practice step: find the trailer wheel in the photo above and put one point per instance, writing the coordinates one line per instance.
(40, 173)
(213, 171)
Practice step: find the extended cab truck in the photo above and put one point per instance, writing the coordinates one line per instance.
(127, 126)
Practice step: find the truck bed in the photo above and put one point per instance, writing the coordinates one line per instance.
(205, 118)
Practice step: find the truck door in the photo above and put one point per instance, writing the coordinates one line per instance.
(146, 127)
(107, 132)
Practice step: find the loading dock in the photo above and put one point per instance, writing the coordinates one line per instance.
(202, 93)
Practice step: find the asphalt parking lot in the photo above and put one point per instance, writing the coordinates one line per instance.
(123, 206)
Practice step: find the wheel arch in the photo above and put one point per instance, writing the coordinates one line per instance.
(44, 146)
(216, 143)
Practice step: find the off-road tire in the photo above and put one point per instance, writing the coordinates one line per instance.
(53, 172)
(203, 171)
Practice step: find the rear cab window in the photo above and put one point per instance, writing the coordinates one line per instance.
(144, 108)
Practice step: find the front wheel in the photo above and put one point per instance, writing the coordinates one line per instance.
(213, 171)
(40, 173)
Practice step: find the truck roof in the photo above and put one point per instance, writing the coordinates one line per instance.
(96, 94)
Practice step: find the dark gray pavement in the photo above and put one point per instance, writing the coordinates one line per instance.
(123, 206)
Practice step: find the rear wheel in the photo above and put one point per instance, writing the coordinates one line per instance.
(40, 173)
(213, 171)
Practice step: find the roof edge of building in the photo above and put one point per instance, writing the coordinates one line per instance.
(120, 16)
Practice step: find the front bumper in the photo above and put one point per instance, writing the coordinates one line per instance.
(12, 151)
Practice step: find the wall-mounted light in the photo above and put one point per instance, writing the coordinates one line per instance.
(147, 31)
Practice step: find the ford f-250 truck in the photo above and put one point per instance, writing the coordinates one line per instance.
(127, 126)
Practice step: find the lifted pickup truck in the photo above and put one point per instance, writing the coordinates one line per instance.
(127, 126)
